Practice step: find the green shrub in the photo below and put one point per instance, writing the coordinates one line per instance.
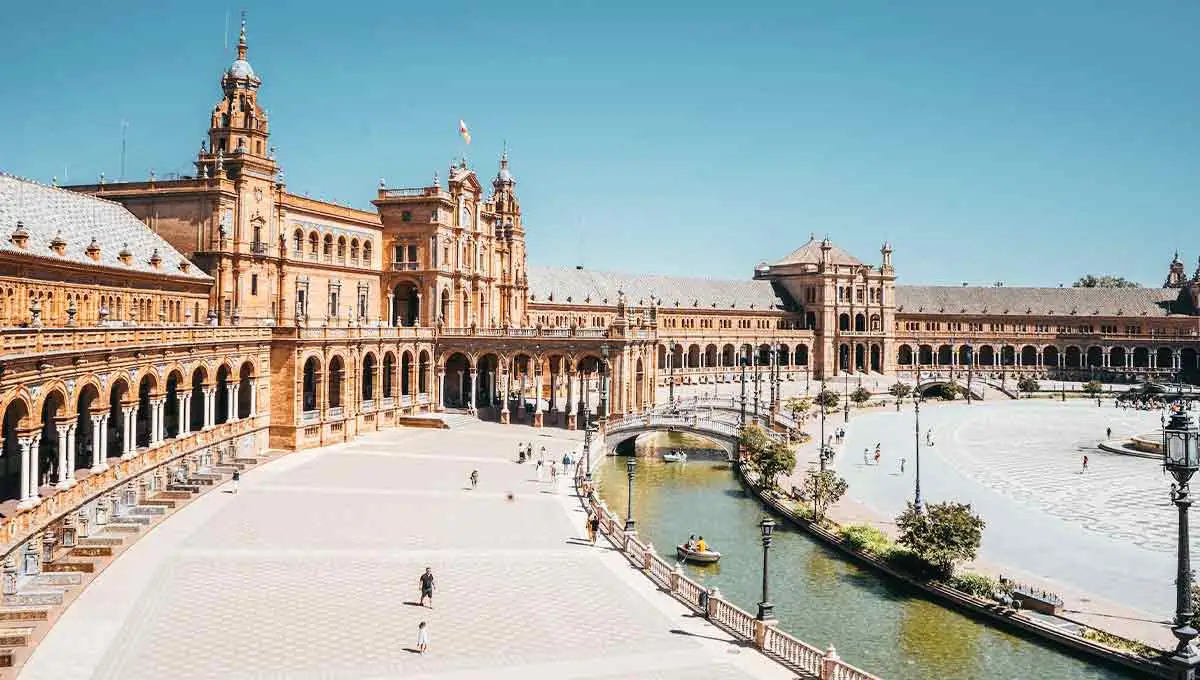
(1116, 642)
(867, 538)
(980, 586)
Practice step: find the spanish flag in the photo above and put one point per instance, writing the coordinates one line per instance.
(462, 130)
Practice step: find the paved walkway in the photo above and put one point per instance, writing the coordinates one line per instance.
(1103, 540)
(310, 571)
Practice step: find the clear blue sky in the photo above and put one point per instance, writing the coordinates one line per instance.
(1029, 142)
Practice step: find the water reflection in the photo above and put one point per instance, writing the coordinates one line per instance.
(878, 625)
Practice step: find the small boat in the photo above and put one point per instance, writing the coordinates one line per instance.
(675, 457)
(697, 557)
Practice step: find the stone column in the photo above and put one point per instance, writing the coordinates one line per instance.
(553, 390)
(391, 320)
(160, 421)
(538, 417)
(232, 400)
(504, 388)
(521, 399)
(441, 401)
(184, 409)
(570, 400)
(210, 407)
(253, 397)
(472, 373)
(70, 468)
(128, 415)
(63, 444)
(28, 460)
(100, 443)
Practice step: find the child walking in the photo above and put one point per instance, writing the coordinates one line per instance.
(422, 637)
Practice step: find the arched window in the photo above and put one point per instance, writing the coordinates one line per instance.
(354, 249)
(298, 239)
(341, 246)
(313, 240)
(366, 252)
(328, 244)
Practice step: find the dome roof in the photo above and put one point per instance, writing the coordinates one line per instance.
(241, 69)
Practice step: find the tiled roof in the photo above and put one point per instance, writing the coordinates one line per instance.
(584, 286)
(47, 212)
(1042, 301)
(810, 253)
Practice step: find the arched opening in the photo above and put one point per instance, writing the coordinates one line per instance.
(405, 371)
(388, 378)
(1141, 357)
(458, 381)
(875, 323)
(710, 356)
(85, 433)
(335, 375)
(844, 322)
(860, 358)
(693, 356)
(368, 377)
(196, 412)
(784, 358)
(52, 410)
(728, 356)
(222, 395)
(1187, 359)
(945, 355)
(1074, 357)
(1095, 357)
(876, 359)
(444, 317)
(406, 308)
(245, 390)
(171, 423)
(925, 355)
(116, 418)
(486, 371)
(423, 373)
(1029, 355)
(964, 355)
(144, 420)
(14, 428)
(311, 384)
(676, 357)
(1165, 358)
(860, 323)
(1116, 357)
(1008, 356)
(764, 355)
(313, 243)
(801, 355)
(639, 385)
(904, 355)
(987, 356)
(844, 357)
(1050, 356)
(662, 358)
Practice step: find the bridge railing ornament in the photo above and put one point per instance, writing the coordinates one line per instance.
(784, 648)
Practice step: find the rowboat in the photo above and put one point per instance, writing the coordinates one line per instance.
(697, 557)
(675, 457)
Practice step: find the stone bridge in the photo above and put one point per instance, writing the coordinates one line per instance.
(928, 384)
(723, 432)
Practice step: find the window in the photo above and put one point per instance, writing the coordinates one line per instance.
(412, 253)
(406, 216)
(366, 252)
(254, 284)
(333, 303)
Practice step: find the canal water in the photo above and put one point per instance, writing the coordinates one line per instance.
(874, 623)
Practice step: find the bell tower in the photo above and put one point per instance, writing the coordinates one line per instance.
(510, 241)
(238, 130)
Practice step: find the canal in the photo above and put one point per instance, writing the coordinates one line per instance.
(876, 624)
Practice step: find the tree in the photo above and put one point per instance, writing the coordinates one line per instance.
(753, 440)
(1106, 281)
(941, 535)
(827, 400)
(824, 488)
(860, 396)
(1028, 385)
(1093, 388)
(797, 405)
(776, 459)
(900, 390)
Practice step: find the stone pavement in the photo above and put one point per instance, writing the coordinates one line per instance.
(1104, 540)
(310, 571)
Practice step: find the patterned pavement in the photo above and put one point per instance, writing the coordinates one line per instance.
(1109, 531)
(310, 571)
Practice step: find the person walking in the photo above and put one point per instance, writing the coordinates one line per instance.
(1108, 433)
(422, 637)
(1085, 462)
(537, 468)
(474, 479)
(237, 477)
(594, 527)
(877, 457)
(902, 465)
(553, 472)
(427, 587)
(866, 456)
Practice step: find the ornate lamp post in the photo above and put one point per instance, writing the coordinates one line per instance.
(587, 443)
(630, 466)
(771, 366)
(970, 370)
(821, 455)
(917, 432)
(757, 378)
(846, 397)
(766, 610)
(1181, 458)
(742, 414)
(602, 406)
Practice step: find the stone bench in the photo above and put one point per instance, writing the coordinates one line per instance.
(69, 567)
(91, 551)
(62, 578)
(34, 598)
(25, 615)
(158, 501)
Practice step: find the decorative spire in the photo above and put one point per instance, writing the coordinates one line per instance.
(241, 47)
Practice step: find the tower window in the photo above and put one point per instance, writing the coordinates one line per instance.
(406, 216)
(254, 284)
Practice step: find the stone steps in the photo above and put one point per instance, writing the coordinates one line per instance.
(251, 462)
(91, 551)
(229, 469)
(69, 567)
(122, 528)
(129, 518)
(205, 478)
(34, 598)
(15, 637)
(23, 615)
(158, 502)
(100, 540)
(175, 494)
(145, 510)
(61, 578)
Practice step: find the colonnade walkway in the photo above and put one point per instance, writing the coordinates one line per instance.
(311, 570)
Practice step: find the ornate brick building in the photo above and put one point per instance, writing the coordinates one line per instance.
(152, 321)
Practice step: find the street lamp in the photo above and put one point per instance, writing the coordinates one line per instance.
(766, 610)
(821, 449)
(630, 466)
(846, 397)
(671, 370)
(742, 413)
(917, 483)
(1182, 460)
(587, 442)
(757, 379)
(602, 406)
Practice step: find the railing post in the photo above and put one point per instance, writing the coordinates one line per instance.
(647, 556)
(829, 664)
(713, 596)
(760, 632)
(675, 576)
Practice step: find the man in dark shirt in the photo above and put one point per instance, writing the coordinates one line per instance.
(427, 587)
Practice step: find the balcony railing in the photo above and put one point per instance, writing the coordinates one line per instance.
(405, 266)
(310, 417)
(387, 402)
(407, 192)
(423, 398)
(406, 400)
(335, 412)
(258, 248)
(55, 339)
(368, 405)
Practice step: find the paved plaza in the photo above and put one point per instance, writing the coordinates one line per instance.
(1109, 532)
(310, 571)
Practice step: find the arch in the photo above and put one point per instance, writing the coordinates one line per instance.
(693, 356)
(876, 358)
(458, 380)
(710, 355)
(662, 357)
(388, 377)
(86, 405)
(965, 354)
(1008, 356)
(904, 355)
(147, 389)
(341, 246)
(16, 424)
(844, 357)
(876, 324)
(245, 390)
(366, 253)
(327, 245)
(335, 375)
(1165, 358)
(423, 372)
(844, 322)
(1116, 357)
(639, 385)
(1074, 357)
(784, 356)
(354, 249)
(314, 243)
(487, 380)
(925, 355)
(801, 355)
(860, 357)
(310, 384)
(221, 398)
(368, 376)
(1187, 359)
(860, 322)
(987, 356)
(444, 303)
(1141, 357)
(1029, 355)
(298, 241)
(406, 305)
(406, 366)
(116, 417)
(1050, 356)
(53, 414)
(728, 355)
(945, 355)
(1095, 356)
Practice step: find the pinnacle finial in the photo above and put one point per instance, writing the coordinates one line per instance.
(242, 38)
